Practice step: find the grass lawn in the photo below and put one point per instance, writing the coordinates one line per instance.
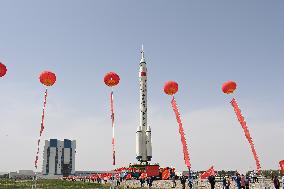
(49, 184)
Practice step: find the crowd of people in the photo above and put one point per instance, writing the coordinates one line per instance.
(242, 181)
(239, 181)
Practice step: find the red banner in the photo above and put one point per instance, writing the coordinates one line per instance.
(281, 163)
(41, 128)
(182, 135)
(152, 170)
(246, 131)
(208, 173)
(43, 113)
(112, 124)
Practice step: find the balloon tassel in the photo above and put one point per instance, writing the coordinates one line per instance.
(41, 127)
(242, 121)
(181, 132)
(112, 124)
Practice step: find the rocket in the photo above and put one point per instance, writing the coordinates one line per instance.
(143, 133)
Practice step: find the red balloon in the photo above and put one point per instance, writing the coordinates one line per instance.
(111, 79)
(3, 70)
(171, 87)
(47, 78)
(229, 87)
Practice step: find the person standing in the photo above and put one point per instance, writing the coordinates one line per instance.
(276, 182)
(255, 179)
(283, 181)
(247, 182)
(142, 181)
(182, 181)
(174, 184)
(224, 182)
(190, 182)
(228, 183)
(238, 180)
(212, 181)
(243, 182)
(148, 181)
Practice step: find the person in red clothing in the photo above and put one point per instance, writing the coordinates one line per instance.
(243, 182)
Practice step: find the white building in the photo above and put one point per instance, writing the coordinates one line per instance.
(59, 157)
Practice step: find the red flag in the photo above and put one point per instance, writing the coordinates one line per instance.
(281, 163)
(208, 173)
(142, 73)
(166, 174)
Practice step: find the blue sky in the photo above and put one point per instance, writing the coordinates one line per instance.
(199, 44)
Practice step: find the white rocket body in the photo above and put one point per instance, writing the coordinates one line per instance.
(143, 133)
(139, 143)
(148, 143)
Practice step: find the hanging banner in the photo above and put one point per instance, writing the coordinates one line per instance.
(112, 124)
(43, 113)
(242, 121)
(181, 132)
(41, 127)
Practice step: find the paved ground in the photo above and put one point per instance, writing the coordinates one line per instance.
(267, 184)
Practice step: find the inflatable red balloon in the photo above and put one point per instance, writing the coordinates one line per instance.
(171, 87)
(47, 78)
(3, 70)
(111, 79)
(229, 87)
